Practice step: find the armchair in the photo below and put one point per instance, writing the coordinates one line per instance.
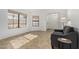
(68, 32)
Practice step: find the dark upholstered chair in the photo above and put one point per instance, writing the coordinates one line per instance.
(68, 32)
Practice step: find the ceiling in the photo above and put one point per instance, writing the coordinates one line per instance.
(43, 11)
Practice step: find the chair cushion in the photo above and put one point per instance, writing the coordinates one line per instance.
(68, 29)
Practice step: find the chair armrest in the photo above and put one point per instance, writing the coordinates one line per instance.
(64, 34)
(58, 30)
(58, 33)
(70, 33)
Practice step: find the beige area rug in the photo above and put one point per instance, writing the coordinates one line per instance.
(20, 41)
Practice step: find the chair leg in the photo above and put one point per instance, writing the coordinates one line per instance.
(52, 47)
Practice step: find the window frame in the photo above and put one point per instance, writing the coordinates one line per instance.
(25, 21)
(35, 19)
(18, 19)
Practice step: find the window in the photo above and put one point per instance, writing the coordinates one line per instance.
(35, 21)
(16, 20)
(22, 21)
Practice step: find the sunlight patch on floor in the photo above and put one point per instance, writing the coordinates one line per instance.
(30, 36)
(20, 41)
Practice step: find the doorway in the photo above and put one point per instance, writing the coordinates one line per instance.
(52, 21)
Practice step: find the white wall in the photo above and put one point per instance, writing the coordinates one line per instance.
(73, 15)
(61, 13)
(4, 31)
(43, 16)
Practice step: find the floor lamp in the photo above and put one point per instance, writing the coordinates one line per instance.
(63, 20)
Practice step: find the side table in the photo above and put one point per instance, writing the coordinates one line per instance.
(64, 43)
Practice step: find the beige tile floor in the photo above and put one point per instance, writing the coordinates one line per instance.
(42, 41)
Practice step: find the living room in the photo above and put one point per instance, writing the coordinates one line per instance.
(47, 20)
(39, 29)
